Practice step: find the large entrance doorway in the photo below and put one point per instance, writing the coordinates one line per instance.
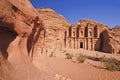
(81, 44)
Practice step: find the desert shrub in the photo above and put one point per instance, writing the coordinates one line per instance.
(69, 56)
(81, 58)
(111, 64)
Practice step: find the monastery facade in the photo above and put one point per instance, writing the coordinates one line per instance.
(84, 35)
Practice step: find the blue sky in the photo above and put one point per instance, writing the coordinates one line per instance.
(105, 11)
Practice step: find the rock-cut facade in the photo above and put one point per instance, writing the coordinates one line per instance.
(87, 34)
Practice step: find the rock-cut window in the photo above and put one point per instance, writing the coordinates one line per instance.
(81, 33)
(73, 33)
(90, 33)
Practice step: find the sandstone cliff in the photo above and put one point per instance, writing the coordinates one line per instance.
(111, 40)
(55, 25)
(21, 32)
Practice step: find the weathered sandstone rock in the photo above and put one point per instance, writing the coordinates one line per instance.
(55, 25)
(21, 32)
(111, 40)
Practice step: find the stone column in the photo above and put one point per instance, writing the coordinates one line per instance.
(93, 45)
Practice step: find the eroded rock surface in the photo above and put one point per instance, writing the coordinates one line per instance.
(55, 25)
(111, 40)
(20, 29)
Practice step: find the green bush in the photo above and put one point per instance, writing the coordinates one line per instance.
(111, 64)
(81, 58)
(69, 56)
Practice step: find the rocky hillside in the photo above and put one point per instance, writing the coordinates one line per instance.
(111, 40)
(55, 25)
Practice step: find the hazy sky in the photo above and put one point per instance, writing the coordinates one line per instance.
(105, 11)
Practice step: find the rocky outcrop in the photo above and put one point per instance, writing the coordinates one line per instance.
(111, 40)
(21, 32)
(55, 25)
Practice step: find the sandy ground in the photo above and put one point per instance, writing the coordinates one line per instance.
(50, 66)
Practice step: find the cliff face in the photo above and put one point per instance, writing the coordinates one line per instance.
(55, 25)
(20, 28)
(111, 40)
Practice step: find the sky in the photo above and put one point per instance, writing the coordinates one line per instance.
(104, 11)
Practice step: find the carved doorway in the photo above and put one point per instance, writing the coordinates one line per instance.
(81, 44)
